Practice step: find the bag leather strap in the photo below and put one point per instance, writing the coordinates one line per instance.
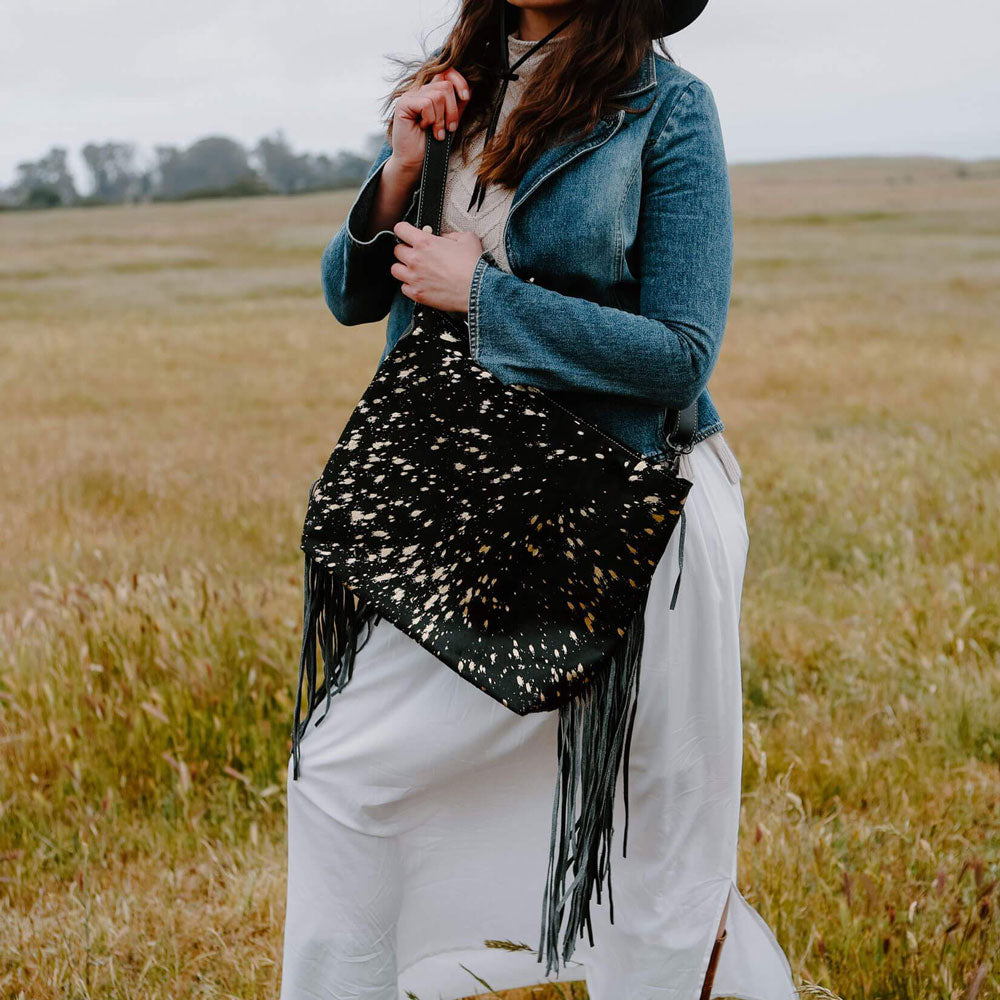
(680, 426)
(433, 173)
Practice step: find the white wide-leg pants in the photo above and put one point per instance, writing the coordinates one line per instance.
(418, 828)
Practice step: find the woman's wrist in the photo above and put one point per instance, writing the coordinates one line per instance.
(401, 178)
(392, 196)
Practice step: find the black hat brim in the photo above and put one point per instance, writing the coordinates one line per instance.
(678, 14)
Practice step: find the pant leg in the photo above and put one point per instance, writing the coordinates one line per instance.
(685, 765)
(341, 908)
(393, 831)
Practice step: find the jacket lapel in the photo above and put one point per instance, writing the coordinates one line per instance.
(556, 157)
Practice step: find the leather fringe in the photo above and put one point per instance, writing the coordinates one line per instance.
(334, 618)
(680, 560)
(594, 736)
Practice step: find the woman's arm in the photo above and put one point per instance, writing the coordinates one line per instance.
(357, 284)
(393, 197)
(665, 354)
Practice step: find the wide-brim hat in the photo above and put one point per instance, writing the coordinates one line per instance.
(678, 14)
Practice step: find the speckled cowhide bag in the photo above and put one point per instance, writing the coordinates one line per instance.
(510, 538)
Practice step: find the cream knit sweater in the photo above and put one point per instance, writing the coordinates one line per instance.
(488, 222)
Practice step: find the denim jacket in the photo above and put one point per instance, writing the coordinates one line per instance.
(620, 245)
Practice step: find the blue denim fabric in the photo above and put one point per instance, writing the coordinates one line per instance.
(620, 245)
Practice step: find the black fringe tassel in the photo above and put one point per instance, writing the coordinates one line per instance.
(333, 617)
(594, 736)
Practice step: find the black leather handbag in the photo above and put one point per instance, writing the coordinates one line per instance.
(513, 540)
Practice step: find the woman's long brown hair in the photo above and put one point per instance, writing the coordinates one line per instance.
(606, 44)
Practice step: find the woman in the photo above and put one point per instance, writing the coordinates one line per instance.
(587, 242)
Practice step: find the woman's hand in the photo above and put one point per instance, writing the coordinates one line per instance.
(436, 270)
(438, 104)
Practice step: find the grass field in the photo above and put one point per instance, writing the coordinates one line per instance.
(170, 383)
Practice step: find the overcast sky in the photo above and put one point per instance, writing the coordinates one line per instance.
(792, 78)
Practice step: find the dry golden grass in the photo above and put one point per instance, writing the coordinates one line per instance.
(170, 381)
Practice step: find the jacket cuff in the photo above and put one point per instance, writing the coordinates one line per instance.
(486, 260)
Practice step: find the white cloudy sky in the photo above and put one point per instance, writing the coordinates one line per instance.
(791, 78)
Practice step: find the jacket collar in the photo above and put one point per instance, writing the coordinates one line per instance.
(643, 79)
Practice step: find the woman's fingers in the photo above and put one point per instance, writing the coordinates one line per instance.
(404, 254)
(440, 113)
(437, 104)
(456, 93)
(461, 84)
(410, 233)
(458, 82)
(446, 111)
(431, 107)
(411, 238)
(450, 108)
(400, 272)
(420, 109)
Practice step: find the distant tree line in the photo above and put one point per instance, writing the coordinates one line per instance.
(214, 166)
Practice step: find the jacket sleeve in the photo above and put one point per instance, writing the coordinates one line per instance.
(357, 284)
(665, 353)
